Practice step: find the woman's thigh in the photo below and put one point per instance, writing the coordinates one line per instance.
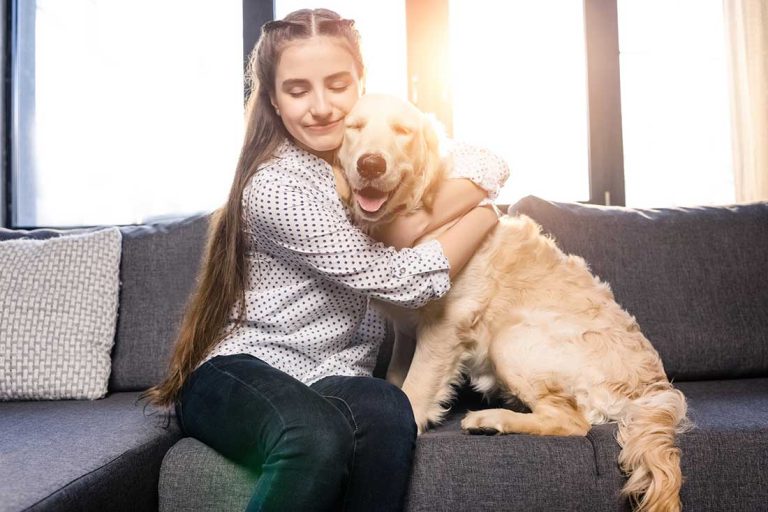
(243, 408)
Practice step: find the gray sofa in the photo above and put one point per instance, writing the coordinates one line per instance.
(695, 278)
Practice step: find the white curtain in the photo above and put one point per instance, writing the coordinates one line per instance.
(747, 33)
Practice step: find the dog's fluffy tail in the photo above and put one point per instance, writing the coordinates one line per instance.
(649, 455)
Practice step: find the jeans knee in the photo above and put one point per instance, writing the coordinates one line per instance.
(392, 412)
(325, 439)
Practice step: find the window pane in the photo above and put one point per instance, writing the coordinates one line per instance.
(519, 88)
(382, 39)
(675, 106)
(128, 109)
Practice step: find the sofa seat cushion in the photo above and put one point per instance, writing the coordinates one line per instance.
(457, 471)
(723, 460)
(194, 476)
(81, 454)
(725, 456)
(724, 463)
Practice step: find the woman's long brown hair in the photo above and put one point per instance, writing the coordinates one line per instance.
(222, 280)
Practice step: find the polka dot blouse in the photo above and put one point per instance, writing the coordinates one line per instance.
(312, 273)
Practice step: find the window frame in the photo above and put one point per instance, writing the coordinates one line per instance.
(606, 144)
(6, 117)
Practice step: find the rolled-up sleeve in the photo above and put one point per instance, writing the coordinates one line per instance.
(485, 168)
(294, 222)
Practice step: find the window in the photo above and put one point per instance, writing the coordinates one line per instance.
(675, 104)
(519, 88)
(128, 109)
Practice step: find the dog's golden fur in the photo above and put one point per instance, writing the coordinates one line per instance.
(524, 319)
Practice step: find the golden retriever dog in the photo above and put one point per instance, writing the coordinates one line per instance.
(522, 318)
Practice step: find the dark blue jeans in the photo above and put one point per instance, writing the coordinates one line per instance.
(341, 443)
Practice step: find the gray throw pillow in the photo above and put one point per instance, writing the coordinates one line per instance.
(58, 311)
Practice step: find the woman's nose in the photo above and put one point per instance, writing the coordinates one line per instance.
(320, 107)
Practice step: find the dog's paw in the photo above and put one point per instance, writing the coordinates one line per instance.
(482, 423)
(481, 431)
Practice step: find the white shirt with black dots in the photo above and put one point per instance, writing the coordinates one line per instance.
(312, 272)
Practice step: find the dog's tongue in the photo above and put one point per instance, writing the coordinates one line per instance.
(370, 199)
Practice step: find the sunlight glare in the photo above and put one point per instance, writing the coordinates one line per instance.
(519, 89)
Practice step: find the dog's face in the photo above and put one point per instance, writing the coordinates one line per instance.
(390, 157)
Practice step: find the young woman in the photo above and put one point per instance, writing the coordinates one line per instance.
(272, 366)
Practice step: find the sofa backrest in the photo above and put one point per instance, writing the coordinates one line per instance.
(695, 278)
(158, 269)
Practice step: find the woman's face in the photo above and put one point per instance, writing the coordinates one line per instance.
(316, 84)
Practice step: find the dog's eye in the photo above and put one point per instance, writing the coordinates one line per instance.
(354, 126)
(401, 130)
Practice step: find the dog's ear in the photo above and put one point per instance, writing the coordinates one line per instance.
(432, 150)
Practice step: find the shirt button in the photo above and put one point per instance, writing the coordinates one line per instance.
(402, 271)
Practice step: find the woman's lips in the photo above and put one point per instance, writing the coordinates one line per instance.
(324, 127)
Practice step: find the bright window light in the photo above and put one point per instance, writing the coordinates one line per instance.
(674, 102)
(519, 88)
(133, 109)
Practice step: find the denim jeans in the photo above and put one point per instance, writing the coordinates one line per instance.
(342, 443)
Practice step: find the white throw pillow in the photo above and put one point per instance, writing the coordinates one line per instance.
(58, 311)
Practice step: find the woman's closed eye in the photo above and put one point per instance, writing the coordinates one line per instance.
(297, 93)
(339, 87)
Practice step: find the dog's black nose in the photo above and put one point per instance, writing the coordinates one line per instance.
(371, 165)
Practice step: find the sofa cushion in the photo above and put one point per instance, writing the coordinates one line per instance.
(58, 299)
(725, 456)
(194, 476)
(159, 267)
(694, 278)
(81, 455)
(723, 460)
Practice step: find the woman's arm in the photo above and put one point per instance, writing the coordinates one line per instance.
(462, 240)
(453, 198)
(295, 222)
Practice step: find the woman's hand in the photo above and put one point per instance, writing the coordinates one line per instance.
(404, 230)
